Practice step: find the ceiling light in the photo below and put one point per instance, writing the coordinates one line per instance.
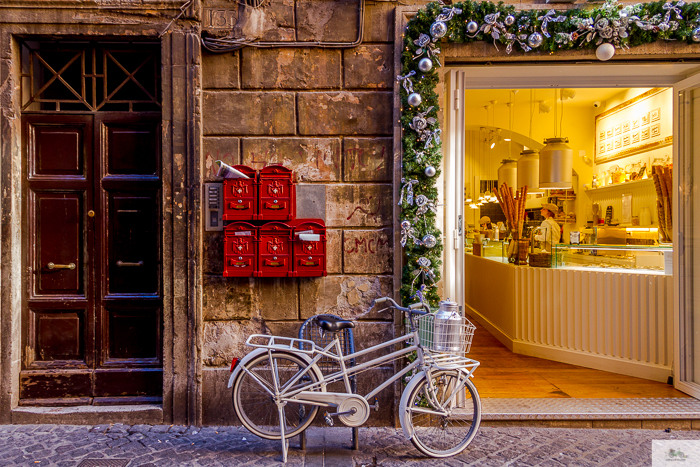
(544, 107)
(529, 171)
(508, 173)
(556, 164)
(567, 94)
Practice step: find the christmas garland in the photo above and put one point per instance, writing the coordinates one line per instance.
(607, 27)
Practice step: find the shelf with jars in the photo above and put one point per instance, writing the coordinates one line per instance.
(624, 185)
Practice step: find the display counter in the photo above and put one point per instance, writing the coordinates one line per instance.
(637, 259)
(606, 319)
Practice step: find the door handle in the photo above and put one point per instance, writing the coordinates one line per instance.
(122, 264)
(60, 266)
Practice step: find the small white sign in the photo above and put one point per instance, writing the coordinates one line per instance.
(668, 263)
(675, 452)
(242, 233)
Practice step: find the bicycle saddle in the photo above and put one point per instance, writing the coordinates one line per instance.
(331, 324)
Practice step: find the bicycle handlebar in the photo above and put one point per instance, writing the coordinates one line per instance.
(412, 309)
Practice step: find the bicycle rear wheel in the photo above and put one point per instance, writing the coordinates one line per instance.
(434, 433)
(254, 402)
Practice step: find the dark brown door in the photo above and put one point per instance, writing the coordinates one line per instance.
(92, 320)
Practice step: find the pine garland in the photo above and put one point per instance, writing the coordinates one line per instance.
(509, 30)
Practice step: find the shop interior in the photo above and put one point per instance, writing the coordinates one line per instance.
(608, 178)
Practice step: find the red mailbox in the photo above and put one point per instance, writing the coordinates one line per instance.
(309, 247)
(275, 250)
(277, 194)
(240, 250)
(241, 196)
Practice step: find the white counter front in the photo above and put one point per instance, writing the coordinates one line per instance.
(612, 321)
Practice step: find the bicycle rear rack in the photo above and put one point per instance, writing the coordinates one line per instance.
(264, 341)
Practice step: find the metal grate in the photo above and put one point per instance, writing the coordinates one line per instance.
(88, 76)
(104, 463)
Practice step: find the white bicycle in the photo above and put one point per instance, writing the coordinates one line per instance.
(278, 387)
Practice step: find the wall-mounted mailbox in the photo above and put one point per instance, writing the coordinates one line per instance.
(275, 258)
(240, 250)
(277, 194)
(309, 248)
(241, 196)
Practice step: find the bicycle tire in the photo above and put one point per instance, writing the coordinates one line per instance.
(257, 410)
(436, 435)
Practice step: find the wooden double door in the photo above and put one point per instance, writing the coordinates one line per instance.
(92, 302)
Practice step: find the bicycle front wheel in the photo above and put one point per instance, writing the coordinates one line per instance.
(446, 429)
(253, 396)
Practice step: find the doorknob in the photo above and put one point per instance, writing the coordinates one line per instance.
(91, 213)
(60, 266)
(122, 264)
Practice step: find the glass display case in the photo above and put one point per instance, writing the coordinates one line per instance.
(615, 258)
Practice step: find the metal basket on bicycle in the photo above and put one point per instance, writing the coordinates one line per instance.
(446, 331)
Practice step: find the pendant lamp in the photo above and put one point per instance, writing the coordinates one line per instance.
(556, 164)
(508, 173)
(529, 171)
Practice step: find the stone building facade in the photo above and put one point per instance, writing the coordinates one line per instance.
(326, 112)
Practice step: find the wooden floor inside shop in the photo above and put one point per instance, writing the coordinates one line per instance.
(504, 374)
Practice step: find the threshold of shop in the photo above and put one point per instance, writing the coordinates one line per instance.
(89, 414)
(642, 413)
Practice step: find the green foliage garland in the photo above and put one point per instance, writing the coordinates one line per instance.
(620, 25)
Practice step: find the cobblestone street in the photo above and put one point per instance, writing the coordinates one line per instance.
(147, 446)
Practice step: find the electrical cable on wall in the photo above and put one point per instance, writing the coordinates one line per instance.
(228, 44)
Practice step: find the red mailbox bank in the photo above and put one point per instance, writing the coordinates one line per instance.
(241, 250)
(275, 250)
(309, 247)
(277, 194)
(241, 196)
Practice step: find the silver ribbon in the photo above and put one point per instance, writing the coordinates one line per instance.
(550, 17)
(447, 14)
(407, 83)
(423, 271)
(408, 187)
(407, 231)
(419, 157)
(671, 8)
(426, 46)
(430, 136)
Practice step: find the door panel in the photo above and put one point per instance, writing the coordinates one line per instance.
(58, 151)
(59, 242)
(133, 250)
(132, 149)
(58, 335)
(133, 334)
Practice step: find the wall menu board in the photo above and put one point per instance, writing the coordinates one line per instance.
(640, 124)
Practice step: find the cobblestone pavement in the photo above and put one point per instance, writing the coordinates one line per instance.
(147, 446)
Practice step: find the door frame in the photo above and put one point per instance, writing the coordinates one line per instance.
(181, 224)
(681, 130)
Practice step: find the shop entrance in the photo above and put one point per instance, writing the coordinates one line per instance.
(92, 314)
(605, 301)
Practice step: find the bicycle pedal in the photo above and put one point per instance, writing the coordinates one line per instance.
(375, 406)
(328, 419)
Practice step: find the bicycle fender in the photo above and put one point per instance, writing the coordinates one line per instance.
(257, 352)
(406, 425)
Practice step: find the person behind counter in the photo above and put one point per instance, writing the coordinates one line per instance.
(550, 232)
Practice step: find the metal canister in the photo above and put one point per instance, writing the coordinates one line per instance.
(448, 328)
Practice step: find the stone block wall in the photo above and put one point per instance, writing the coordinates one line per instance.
(327, 115)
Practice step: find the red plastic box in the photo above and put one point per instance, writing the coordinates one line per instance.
(240, 250)
(275, 250)
(309, 247)
(277, 191)
(241, 196)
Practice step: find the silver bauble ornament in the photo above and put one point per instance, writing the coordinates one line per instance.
(535, 39)
(425, 64)
(421, 200)
(509, 20)
(472, 27)
(429, 241)
(696, 34)
(438, 29)
(414, 99)
(605, 52)
(405, 225)
(430, 171)
(624, 13)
